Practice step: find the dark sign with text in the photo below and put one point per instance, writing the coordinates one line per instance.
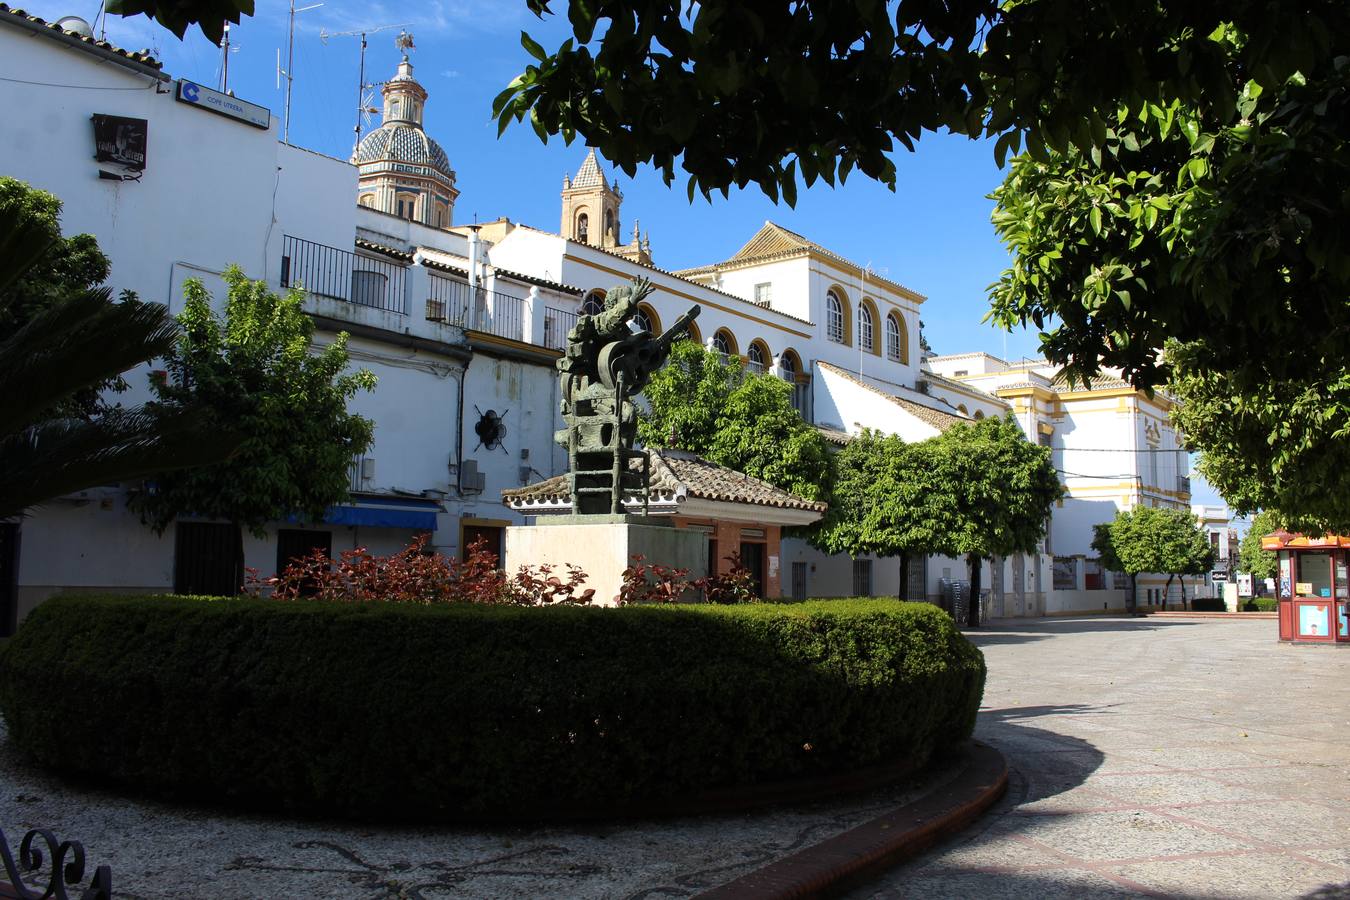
(120, 140)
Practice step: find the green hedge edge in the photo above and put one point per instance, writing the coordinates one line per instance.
(444, 713)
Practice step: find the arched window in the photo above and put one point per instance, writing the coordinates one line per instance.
(594, 304)
(757, 357)
(790, 367)
(694, 334)
(724, 342)
(866, 336)
(894, 339)
(961, 408)
(609, 225)
(835, 323)
(979, 414)
(583, 228)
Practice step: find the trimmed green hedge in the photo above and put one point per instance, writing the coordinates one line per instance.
(1209, 604)
(1261, 604)
(412, 712)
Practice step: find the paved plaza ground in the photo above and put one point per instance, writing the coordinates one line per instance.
(1163, 758)
(1183, 758)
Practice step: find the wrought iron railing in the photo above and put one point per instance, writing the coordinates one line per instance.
(498, 314)
(557, 322)
(342, 274)
(447, 300)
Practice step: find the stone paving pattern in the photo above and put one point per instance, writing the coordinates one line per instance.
(1156, 758)
(158, 850)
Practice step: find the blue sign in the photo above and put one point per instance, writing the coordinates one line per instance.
(224, 104)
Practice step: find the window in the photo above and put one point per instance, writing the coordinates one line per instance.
(204, 559)
(1065, 573)
(763, 292)
(642, 320)
(724, 343)
(754, 358)
(407, 206)
(594, 304)
(790, 366)
(862, 578)
(834, 318)
(609, 225)
(893, 340)
(866, 339)
(583, 228)
(799, 581)
(979, 414)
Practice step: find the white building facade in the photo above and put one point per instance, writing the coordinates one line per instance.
(462, 326)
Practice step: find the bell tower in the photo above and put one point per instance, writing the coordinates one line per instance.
(590, 212)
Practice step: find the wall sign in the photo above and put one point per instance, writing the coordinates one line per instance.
(120, 140)
(223, 104)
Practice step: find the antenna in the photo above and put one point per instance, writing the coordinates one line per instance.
(363, 101)
(225, 51)
(289, 72)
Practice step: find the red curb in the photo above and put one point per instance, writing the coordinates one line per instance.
(875, 846)
(1231, 616)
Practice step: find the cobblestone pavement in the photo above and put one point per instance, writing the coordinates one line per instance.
(1178, 758)
(158, 850)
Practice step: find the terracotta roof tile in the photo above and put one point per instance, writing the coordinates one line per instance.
(141, 57)
(675, 471)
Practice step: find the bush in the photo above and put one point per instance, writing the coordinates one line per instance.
(1208, 604)
(439, 712)
(1261, 604)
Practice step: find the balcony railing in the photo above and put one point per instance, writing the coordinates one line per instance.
(557, 322)
(342, 275)
(448, 300)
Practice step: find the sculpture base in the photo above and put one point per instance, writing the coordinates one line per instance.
(603, 549)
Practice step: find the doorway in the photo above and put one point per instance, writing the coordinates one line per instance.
(752, 557)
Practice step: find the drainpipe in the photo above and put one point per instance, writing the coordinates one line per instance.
(475, 277)
(459, 431)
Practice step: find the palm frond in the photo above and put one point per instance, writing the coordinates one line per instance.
(59, 456)
(80, 340)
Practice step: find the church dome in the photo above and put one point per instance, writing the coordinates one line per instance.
(405, 143)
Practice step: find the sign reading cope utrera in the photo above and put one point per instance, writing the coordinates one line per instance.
(224, 104)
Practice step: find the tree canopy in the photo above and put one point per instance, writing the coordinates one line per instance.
(1154, 539)
(1251, 558)
(706, 404)
(256, 368)
(179, 15)
(64, 339)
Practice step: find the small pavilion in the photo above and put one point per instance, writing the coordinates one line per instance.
(1311, 586)
(738, 513)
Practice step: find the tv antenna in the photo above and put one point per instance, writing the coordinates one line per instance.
(225, 51)
(289, 72)
(364, 109)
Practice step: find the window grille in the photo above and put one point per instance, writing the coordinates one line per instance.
(862, 578)
(865, 337)
(893, 339)
(834, 318)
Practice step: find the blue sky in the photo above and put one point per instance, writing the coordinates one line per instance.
(931, 234)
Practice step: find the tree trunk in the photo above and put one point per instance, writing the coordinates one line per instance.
(1132, 605)
(973, 606)
(1167, 591)
(903, 592)
(1182, 580)
(238, 557)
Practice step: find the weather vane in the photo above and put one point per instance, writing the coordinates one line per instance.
(404, 42)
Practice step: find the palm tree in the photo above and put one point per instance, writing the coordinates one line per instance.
(78, 340)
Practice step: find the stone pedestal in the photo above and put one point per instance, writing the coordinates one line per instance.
(603, 546)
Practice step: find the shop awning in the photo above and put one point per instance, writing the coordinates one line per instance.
(413, 513)
(1284, 540)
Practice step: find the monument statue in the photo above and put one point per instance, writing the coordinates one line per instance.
(606, 364)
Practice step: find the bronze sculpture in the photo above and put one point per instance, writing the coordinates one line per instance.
(605, 366)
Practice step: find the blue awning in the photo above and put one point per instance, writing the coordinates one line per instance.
(386, 512)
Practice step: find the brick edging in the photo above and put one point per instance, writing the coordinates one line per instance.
(873, 847)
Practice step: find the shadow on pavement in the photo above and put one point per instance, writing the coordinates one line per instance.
(1024, 631)
(1329, 892)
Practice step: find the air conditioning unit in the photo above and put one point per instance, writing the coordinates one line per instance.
(470, 479)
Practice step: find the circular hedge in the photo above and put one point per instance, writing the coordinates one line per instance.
(450, 712)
